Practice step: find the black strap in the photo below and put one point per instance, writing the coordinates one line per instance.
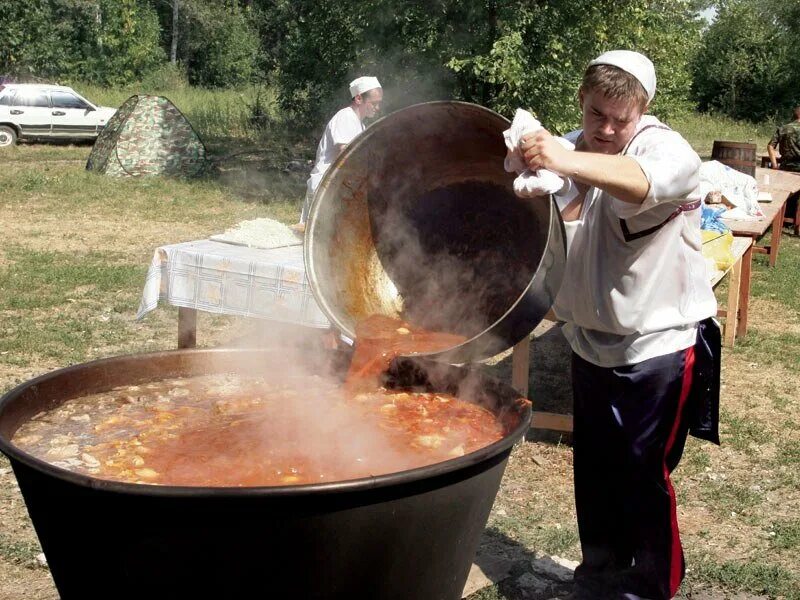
(629, 236)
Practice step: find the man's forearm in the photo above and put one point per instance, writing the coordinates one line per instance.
(773, 158)
(620, 176)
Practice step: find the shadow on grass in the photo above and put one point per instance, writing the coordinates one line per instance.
(518, 572)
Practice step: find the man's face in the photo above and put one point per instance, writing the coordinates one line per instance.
(371, 103)
(608, 124)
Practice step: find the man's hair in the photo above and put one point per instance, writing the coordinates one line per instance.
(614, 83)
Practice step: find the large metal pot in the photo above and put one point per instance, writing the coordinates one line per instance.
(417, 219)
(404, 536)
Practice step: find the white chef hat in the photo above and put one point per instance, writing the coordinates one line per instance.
(363, 84)
(634, 63)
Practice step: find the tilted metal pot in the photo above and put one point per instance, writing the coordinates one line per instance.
(417, 219)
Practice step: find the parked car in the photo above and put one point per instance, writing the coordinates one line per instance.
(41, 111)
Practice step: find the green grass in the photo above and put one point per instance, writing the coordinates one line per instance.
(526, 526)
(741, 432)
(701, 130)
(724, 498)
(753, 576)
(61, 339)
(781, 283)
(695, 459)
(789, 453)
(787, 534)
(20, 553)
(213, 113)
(490, 593)
(37, 279)
(770, 348)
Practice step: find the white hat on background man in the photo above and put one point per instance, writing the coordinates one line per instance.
(634, 63)
(363, 84)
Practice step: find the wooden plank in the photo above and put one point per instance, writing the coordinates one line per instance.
(548, 420)
(744, 290)
(187, 327)
(520, 365)
(733, 303)
(777, 227)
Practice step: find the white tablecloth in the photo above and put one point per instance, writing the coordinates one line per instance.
(233, 280)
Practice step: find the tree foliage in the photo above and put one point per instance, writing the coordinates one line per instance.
(218, 42)
(748, 65)
(501, 53)
(105, 41)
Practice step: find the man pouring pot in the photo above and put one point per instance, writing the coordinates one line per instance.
(637, 306)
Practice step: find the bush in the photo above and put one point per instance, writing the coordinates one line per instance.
(167, 76)
(222, 48)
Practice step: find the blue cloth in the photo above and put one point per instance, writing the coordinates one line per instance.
(711, 220)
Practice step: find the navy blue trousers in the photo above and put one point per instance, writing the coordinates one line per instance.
(630, 428)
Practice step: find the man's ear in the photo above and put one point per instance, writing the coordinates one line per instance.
(358, 99)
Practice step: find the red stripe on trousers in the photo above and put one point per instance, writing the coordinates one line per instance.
(675, 568)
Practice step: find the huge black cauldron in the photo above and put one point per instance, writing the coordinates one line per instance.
(409, 535)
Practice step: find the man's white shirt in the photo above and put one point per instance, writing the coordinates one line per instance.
(628, 300)
(341, 129)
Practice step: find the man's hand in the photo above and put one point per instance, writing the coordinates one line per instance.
(541, 150)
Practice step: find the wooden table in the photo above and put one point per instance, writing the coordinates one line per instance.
(781, 185)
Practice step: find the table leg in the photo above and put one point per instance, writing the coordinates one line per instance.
(187, 327)
(777, 227)
(733, 304)
(553, 421)
(744, 292)
(520, 365)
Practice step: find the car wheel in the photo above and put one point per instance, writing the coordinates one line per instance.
(8, 137)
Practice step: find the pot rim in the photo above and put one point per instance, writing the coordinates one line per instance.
(14, 453)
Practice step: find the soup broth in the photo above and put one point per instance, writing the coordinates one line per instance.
(232, 430)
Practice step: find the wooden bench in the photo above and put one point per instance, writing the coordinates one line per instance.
(734, 313)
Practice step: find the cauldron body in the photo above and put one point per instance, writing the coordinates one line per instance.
(417, 219)
(409, 535)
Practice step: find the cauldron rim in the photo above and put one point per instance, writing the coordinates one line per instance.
(14, 453)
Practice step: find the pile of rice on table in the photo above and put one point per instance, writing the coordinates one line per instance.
(259, 233)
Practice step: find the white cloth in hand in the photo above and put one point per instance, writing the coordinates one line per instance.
(529, 183)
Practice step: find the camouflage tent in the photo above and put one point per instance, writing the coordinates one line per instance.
(148, 135)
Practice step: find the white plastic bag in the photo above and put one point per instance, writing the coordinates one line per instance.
(740, 189)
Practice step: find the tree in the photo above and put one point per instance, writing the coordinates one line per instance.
(744, 66)
(173, 47)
